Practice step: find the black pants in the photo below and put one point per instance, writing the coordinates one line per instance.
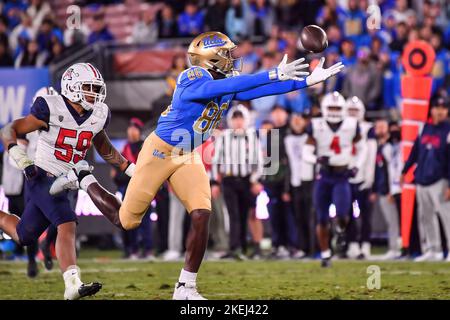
(282, 221)
(304, 216)
(237, 196)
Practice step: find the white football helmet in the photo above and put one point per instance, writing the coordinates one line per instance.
(332, 107)
(83, 80)
(355, 108)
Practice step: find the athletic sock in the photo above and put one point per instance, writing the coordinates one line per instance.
(72, 276)
(86, 181)
(325, 254)
(186, 276)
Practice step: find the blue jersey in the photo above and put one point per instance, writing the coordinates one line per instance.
(199, 102)
(431, 153)
(188, 124)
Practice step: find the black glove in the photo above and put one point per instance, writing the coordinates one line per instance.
(324, 160)
(30, 172)
(352, 172)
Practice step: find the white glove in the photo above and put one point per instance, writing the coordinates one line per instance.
(19, 155)
(129, 171)
(293, 70)
(320, 74)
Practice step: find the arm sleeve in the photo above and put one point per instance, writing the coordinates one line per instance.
(412, 156)
(209, 88)
(40, 110)
(279, 87)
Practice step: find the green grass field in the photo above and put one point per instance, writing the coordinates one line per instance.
(235, 280)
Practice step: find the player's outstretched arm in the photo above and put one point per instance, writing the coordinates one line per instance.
(319, 74)
(208, 89)
(16, 128)
(110, 154)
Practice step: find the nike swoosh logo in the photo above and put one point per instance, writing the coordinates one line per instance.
(94, 122)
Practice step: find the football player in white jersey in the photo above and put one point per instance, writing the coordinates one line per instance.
(68, 123)
(330, 144)
(362, 183)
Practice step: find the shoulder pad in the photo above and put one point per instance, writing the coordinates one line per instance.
(193, 74)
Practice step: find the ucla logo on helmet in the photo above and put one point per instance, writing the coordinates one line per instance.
(215, 41)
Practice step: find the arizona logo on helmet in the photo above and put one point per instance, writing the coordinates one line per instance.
(68, 75)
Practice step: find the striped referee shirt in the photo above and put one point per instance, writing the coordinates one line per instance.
(238, 154)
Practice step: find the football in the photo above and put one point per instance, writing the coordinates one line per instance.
(314, 39)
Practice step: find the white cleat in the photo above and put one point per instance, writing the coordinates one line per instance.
(430, 256)
(365, 251)
(83, 290)
(448, 258)
(186, 291)
(353, 251)
(391, 255)
(172, 255)
(69, 181)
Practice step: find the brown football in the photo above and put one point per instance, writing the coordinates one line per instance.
(314, 39)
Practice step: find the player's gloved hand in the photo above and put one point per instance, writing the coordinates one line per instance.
(365, 186)
(292, 71)
(320, 74)
(19, 155)
(352, 172)
(30, 172)
(323, 160)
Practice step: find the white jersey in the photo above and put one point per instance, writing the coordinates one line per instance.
(337, 145)
(300, 169)
(66, 141)
(368, 165)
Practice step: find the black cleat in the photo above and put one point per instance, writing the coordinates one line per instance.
(32, 269)
(341, 245)
(89, 289)
(325, 263)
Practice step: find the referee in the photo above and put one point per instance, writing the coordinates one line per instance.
(238, 165)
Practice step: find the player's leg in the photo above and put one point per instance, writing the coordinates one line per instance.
(8, 223)
(342, 199)
(442, 207)
(322, 199)
(46, 245)
(365, 208)
(191, 184)
(353, 250)
(389, 211)
(150, 173)
(428, 224)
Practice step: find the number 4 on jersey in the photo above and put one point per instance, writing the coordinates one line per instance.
(335, 145)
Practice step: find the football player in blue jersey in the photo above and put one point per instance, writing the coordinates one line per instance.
(202, 97)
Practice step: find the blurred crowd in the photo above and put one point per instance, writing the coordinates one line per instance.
(371, 50)
(368, 42)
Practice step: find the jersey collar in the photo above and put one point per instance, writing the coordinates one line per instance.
(80, 119)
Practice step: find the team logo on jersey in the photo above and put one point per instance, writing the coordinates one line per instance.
(159, 154)
(69, 74)
(215, 41)
(60, 118)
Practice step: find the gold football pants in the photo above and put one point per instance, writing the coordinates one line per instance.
(157, 162)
